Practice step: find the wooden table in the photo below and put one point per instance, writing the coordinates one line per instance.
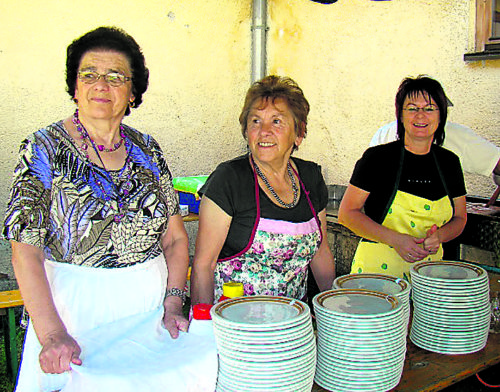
(191, 217)
(428, 371)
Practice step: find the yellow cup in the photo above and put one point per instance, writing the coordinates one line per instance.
(232, 289)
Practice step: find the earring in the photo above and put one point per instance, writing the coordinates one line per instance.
(131, 104)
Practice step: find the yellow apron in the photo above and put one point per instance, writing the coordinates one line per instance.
(408, 214)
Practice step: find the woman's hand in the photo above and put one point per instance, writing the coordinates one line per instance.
(173, 318)
(59, 349)
(432, 240)
(174, 243)
(410, 248)
(58, 352)
(351, 215)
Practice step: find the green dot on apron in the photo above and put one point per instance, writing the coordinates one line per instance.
(427, 207)
(360, 270)
(412, 224)
(384, 266)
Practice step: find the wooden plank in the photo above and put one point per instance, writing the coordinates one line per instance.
(483, 23)
(191, 217)
(10, 298)
(428, 371)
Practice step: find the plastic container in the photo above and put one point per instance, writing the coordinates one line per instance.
(202, 312)
(201, 323)
(232, 290)
(189, 184)
(187, 188)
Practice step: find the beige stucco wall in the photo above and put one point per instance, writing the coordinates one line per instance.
(197, 53)
(349, 57)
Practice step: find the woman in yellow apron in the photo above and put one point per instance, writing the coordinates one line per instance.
(407, 197)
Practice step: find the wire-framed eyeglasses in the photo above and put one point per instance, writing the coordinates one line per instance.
(429, 109)
(114, 79)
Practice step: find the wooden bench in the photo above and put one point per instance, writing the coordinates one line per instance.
(8, 301)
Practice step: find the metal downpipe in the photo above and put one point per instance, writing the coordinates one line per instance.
(259, 33)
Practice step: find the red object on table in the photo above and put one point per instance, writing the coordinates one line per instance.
(202, 312)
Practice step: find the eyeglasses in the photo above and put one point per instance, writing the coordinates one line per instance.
(426, 109)
(114, 79)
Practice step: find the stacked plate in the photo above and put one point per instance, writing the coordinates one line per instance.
(361, 340)
(264, 343)
(377, 282)
(451, 309)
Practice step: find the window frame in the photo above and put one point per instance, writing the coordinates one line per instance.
(486, 47)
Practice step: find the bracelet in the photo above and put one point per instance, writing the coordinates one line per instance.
(175, 292)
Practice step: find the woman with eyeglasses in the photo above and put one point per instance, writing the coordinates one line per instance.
(407, 197)
(100, 251)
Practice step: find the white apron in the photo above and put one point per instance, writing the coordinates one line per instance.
(115, 315)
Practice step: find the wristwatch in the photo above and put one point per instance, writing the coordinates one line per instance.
(175, 292)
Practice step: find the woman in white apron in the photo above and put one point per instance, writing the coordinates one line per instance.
(259, 223)
(407, 197)
(99, 248)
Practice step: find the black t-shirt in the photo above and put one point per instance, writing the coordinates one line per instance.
(377, 169)
(231, 186)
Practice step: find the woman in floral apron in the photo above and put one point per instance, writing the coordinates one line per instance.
(407, 197)
(262, 215)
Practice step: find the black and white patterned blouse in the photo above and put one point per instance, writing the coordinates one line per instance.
(57, 205)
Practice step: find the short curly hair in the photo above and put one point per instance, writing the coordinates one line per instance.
(114, 39)
(271, 88)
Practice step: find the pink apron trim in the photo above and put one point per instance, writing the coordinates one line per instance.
(283, 227)
(257, 219)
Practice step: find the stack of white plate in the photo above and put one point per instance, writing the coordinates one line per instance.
(264, 343)
(451, 309)
(361, 340)
(387, 284)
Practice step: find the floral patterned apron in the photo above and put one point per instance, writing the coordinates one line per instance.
(407, 214)
(276, 258)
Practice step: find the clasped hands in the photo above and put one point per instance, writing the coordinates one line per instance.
(413, 249)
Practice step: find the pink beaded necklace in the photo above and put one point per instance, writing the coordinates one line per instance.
(122, 207)
(84, 136)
